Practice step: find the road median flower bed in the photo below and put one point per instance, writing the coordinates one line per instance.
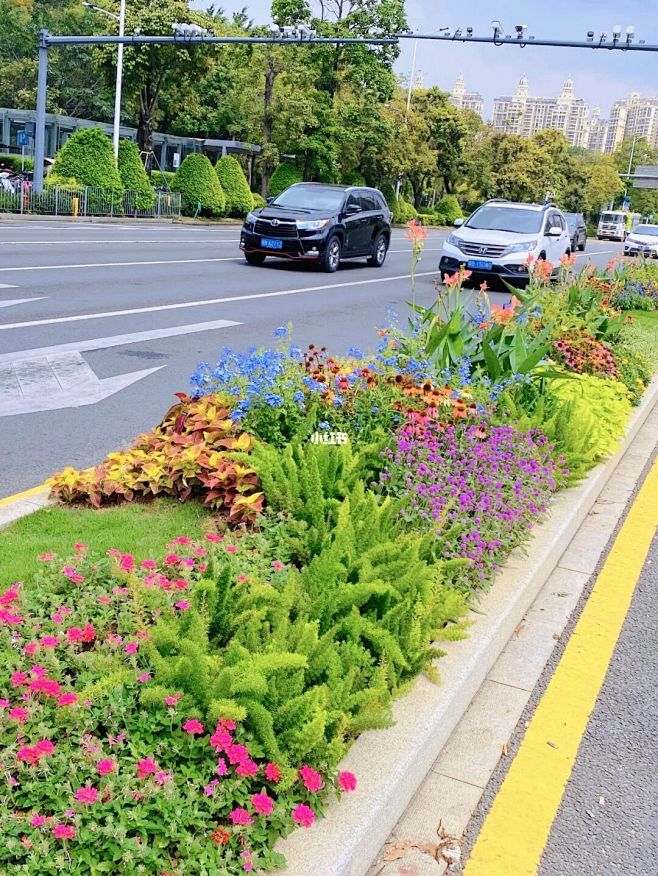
(178, 712)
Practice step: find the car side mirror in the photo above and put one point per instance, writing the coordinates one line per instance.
(458, 223)
(351, 209)
(554, 232)
(269, 200)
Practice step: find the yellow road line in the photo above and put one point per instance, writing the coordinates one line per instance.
(518, 825)
(24, 495)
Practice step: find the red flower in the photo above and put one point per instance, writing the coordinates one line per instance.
(272, 773)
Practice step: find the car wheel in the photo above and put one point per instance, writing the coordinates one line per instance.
(380, 249)
(255, 258)
(331, 256)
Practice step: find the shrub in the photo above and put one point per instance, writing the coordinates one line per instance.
(440, 219)
(239, 200)
(403, 212)
(199, 186)
(15, 162)
(257, 200)
(285, 175)
(353, 178)
(162, 179)
(449, 207)
(88, 158)
(388, 192)
(134, 177)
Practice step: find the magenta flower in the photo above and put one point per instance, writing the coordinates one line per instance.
(193, 726)
(38, 820)
(312, 780)
(149, 564)
(173, 699)
(131, 647)
(241, 816)
(18, 679)
(63, 831)
(277, 565)
(263, 804)
(86, 795)
(272, 773)
(303, 815)
(212, 536)
(19, 714)
(144, 677)
(182, 604)
(67, 699)
(49, 641)
(146, 767)
(347, 781)
(105, 766)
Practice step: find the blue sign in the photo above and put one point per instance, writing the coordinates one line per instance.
(22, 139)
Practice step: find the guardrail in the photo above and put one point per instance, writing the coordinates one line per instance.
(88, 201)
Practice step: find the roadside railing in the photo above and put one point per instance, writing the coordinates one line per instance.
(89, 201)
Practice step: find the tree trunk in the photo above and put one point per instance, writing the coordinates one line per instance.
(271, 73)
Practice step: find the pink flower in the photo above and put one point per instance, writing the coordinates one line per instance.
(38, 670)
(237, 753)
(38, 820)
(63, 831)
(162, 777)
(30, 648)
(87, 795)
(173, 699)
(131, 647)
(73, 576)
(67, 699)
(200, 551)
(347, 781)
(221, 769)
(149, 564)
(202, 567)
(181, 539)
(277, 565)
(241, 816)
(171, 559)
(144, 677)
(106, 766)
(127, 562)
(221, 738)
(263, 804)
(4, 703)
(146, 767)
(303, 815)
(182, 604)
(19, 714)
(113, 639)
(193, 726)
(45, 747)
(188, 562)
(212, 536)
(231, 549)
(49, 641)
(242, 578)
(311, 779)
(18, 679)
(272, 773)
(28, 755)
(181, 584)
(47, 686)
(104, 600)
(80, 547)
(247, 767)
(57, 617)
(47, 557)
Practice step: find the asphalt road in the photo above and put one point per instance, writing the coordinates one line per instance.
(95, 302)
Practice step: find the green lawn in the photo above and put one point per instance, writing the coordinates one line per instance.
(646, 317)
(140, 529)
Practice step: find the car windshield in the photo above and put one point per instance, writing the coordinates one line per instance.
(572, 218)
(612, 217)
(503, 218)
(649, 230)
(310, 198)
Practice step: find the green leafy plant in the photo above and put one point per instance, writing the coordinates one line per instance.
(239, 200)
(133, 175)
(285, 175)
(199, 185)
(88, 158)
(449, 208)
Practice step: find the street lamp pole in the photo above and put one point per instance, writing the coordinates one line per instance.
(117, 95)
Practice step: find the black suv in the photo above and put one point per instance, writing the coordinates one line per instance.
(321, 223)
(577, 231)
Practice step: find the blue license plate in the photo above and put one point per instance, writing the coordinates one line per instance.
(271, 243)
(479, 265)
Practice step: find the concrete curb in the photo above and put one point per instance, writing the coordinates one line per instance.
(391, 764)
(14, 507)
(92, 220)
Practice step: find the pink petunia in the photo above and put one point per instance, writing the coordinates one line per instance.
(162, 777)
(182, 604)
(146, 767)
(277, 565)
(212, 536)
(303, 815)
(144, 677)
(347, 781)
(86, 795)
(106, 766)
(63, 831)
(181, 584)
(171, 559)
(272, 773)
(131, 647)
(263, 804)
(149, 564)
(45, 747)
(18, 679)
(241, 816)
(38, 820)
(28, 754)
(19, 714)
(31, 648)
(221, 738)
(247, 767)
(4, 703)
(47, 686)
(49, 641)
(312, 780)
(172, 700)
(127, 562)
(221, 769)
(193, 726)
(67, 699)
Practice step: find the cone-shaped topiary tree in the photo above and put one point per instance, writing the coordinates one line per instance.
(88, 158)
(200, 188)
(236, 188)
(285, 175)
(133, 175)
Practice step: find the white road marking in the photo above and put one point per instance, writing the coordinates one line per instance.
(584, 255)
(60, 380)
(118, 264)
(205, 303)
(115, 242)
(12, 301)
(7, 286)
(117, 340)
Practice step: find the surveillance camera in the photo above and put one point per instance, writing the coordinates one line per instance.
(616, 31)
(590, 35)
(497, 26)
(520, 28)
(469, 31)
(630, 32)
(275, 29)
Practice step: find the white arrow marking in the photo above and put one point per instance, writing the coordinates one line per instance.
(54, 382)
(12, 301)
(7, 286)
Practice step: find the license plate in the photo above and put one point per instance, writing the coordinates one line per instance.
(271, 243)
(479, 265)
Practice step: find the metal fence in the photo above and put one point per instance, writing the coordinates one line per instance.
(88, 201)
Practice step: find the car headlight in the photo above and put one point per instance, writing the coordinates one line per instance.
(312, 224)
(453, 240)
(523, 247)
(251, 219)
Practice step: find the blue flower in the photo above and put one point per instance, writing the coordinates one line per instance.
(355, 353)
(273, 400)
(338, 401)
(324, 426)
(280, 332)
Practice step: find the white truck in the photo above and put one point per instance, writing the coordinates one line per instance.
(614, 224)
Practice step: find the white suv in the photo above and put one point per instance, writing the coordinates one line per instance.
(496, 240)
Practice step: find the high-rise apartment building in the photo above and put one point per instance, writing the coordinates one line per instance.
(636, 116)
(463, 99)
(525, 115)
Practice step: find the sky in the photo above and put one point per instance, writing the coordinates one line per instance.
(600, 77)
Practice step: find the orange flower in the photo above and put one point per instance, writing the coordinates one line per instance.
(457, 278)
(528, 263)
(415, 232)
(568, 260)
(501, 314)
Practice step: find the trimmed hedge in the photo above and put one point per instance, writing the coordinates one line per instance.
(236, 188)
(285, 175)
(15, 162)
(449, 208)
(133, 175)
(403, 212)
(162, 179)
(198, 184)
(87, 157)
(258, 200)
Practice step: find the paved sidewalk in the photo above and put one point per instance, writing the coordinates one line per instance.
(427, 841)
